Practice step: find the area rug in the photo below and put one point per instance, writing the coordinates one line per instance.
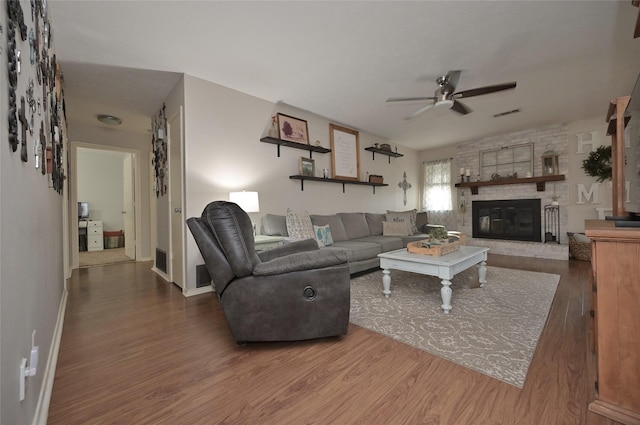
(493, 330)
(102, 258)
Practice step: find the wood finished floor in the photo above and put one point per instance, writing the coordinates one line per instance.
(135, 351)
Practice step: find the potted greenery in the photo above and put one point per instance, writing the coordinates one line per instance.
(439, 234)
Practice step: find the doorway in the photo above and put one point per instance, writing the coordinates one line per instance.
(105, 187)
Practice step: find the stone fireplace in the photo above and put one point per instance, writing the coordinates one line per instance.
(507, 219)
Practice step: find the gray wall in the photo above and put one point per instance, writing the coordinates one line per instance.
(31, 254)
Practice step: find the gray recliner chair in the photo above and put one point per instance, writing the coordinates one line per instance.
(293, 292)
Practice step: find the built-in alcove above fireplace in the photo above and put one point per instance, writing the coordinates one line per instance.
(508, 219)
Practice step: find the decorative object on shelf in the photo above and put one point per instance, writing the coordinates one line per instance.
(273, 131)
(468, 174)
(462, 205)
(376, 178)
(598, 164)
(325, 173)
(293, 129)
(461, 174)
(404, 185)
(307, 167)
(345, 152)
(376, 145)
(385, 147)
(550, 162)
(506, 160)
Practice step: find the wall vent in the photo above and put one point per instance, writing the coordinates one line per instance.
(202, 276)
(502, 114)
(161, 260)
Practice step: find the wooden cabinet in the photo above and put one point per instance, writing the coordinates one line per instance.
(615, 327)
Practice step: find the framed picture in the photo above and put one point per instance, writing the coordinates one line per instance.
(345, 152)
(293, 129)
(307, 167)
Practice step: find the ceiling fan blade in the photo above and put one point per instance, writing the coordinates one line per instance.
(419, 111)
(460, 107)
(409, 99)
(484, 90)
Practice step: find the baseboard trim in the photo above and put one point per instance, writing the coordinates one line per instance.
(42, 408)
(198, 291)
(160, 273)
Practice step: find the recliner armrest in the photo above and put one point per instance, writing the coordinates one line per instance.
(288, 249)
(300, 261)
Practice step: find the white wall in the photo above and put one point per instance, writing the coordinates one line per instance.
(100, 182)
(223, 153)
(31, 254)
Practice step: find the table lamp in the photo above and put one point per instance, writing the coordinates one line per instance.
(248, 201)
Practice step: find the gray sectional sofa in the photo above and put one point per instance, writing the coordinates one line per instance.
(360, 235)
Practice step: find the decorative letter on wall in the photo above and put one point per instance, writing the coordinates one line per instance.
(593, 192)
(591, 141)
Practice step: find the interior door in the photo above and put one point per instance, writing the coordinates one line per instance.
(129, 212)
(175, 197)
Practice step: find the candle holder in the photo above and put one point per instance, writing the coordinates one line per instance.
(461, 178)
(468, 179)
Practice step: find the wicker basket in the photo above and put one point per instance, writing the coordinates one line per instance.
(579, 250)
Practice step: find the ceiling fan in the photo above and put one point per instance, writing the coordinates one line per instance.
(446, 96)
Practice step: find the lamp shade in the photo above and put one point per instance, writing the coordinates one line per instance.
(248, 201)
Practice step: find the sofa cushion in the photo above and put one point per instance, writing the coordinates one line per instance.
(355, 224)
(338, 231)
(395, 228)
(421, 220)
(357, 251)
(299, 225)
(409, 215)
(388, 243)
(274, 225)
(375, 223)
(323, 235)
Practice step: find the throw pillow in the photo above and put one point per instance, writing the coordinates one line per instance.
(395, 228)
(323, 235)
(407, 216)
(412, 214)
(299, 225)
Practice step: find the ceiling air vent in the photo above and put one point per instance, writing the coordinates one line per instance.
(502, 114)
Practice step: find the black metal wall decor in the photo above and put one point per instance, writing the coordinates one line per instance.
(159, 146)
(39, 134)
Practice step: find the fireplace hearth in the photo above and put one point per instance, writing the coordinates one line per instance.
(508, 219)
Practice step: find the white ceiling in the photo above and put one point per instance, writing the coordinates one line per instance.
(342, 60)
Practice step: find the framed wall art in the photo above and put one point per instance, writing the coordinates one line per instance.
(293, 129)
(307, 167)
(345, 152)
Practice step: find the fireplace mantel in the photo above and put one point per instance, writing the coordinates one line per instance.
(539, 182)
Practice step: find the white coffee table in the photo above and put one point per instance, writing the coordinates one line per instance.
(444, 267)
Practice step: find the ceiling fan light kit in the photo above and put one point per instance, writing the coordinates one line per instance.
(445, 97)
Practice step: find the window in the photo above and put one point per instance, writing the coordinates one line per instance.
(437, 186)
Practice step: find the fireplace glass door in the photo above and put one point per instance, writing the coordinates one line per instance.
(517, 219)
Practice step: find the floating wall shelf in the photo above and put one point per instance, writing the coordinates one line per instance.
(539, 182)
(340, 181)
(280, 142)
(383, 152)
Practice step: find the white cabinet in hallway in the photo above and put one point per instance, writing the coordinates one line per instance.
(95, 241)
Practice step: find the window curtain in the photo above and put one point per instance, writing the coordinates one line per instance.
(437, 193)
